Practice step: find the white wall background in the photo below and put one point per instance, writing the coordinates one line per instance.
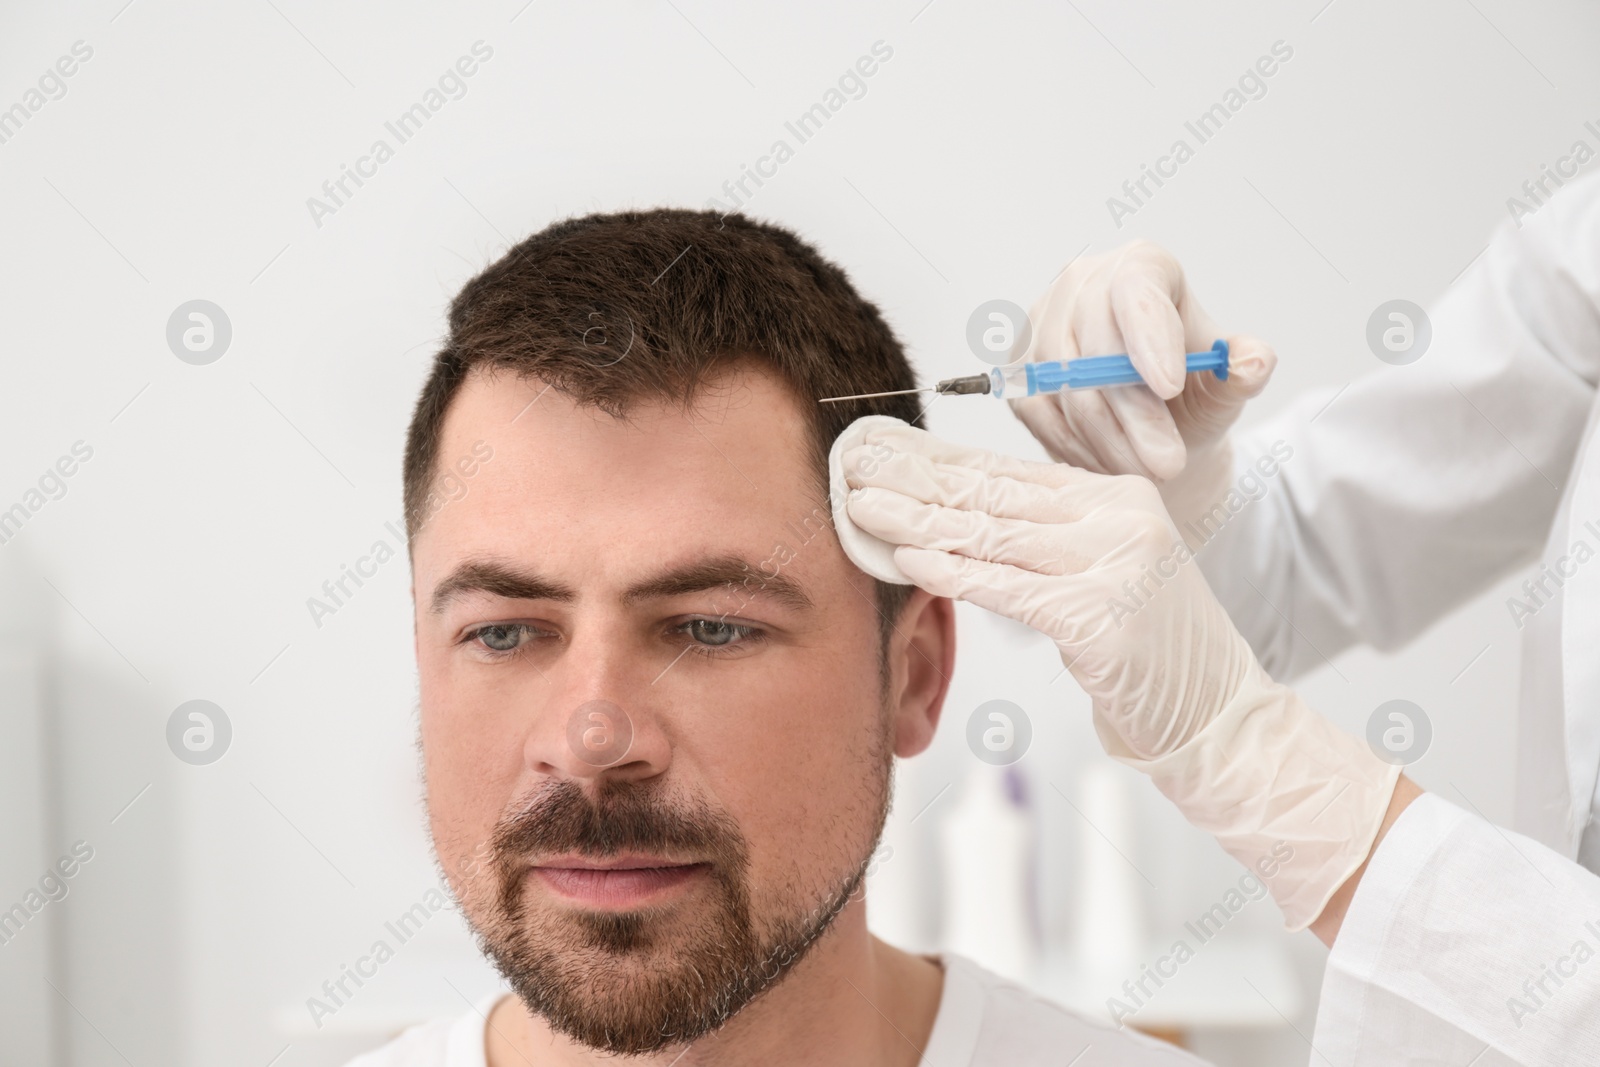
(218, 498)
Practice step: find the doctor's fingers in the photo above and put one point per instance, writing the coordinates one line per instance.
(1208, 406)
(1120, 430)
(1036, 547)
(970, 489)
(1127, 301)
(1111, 540)
(1145, 292)
(1017, 594)
(1046, 419)
(1134, 299)
(1131, 299)
(1071, 609)
(882, 443)
(1161, 320)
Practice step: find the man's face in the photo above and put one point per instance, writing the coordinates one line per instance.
(656, 745)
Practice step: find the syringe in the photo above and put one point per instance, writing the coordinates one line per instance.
(1030, 379)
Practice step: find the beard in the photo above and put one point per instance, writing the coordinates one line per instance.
(640, 981)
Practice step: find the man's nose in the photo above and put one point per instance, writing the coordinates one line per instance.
(602, 718)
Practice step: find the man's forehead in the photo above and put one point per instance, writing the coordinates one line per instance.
(732, 473)
(741, 401)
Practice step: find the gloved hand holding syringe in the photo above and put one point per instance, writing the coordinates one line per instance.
(1018, 380)
(1088, 551)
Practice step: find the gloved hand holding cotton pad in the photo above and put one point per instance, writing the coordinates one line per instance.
(1094, 562)
(873, 555)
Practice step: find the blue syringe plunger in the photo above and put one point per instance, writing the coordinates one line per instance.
(1089, 372)
(1030, 379)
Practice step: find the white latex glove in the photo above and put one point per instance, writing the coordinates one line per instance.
(1094, 562)
(1135, 299)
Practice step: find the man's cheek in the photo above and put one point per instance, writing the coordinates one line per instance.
(790, 751)
(465, 758)
(456, 757)
(462, 817)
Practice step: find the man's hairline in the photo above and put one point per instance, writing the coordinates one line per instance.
(816, 463)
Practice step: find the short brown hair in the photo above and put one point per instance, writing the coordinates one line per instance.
(613, 309)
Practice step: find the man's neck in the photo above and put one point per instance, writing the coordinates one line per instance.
(853, 999)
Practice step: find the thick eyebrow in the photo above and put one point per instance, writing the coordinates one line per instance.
(497, 579)
(719, 572)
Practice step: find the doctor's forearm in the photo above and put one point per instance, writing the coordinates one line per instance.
(1326, 926)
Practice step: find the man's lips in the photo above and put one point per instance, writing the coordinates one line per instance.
(627, 881)
(628, 861)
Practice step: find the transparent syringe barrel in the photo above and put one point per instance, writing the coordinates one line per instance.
(1011, 382)
(1092, 372)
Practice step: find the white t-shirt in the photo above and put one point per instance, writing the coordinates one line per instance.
(983, 1021)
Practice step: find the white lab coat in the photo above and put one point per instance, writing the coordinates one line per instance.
(1410, 492)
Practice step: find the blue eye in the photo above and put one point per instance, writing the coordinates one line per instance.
(713, 632)
(500, 638)
(712, 636)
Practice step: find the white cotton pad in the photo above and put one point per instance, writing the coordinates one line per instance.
(871, 554)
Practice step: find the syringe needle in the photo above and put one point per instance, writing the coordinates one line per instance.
(869, 396)
(974, 383)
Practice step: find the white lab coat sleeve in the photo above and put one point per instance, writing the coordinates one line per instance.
(1412, 488)
(1465, 944)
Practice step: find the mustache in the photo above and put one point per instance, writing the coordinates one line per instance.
(621, 817)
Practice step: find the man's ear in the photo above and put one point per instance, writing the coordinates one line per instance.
(922, 653)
